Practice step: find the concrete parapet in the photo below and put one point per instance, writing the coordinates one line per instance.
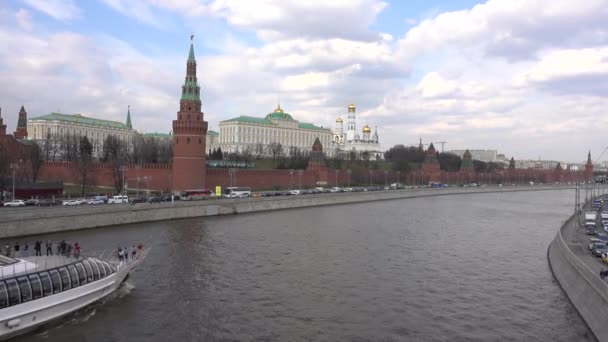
(50, 220)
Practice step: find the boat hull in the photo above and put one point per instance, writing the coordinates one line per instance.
(23, 318)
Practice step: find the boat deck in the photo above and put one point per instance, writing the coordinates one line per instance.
(31, 264)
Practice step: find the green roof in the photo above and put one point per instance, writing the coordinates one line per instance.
(251, 119)
(79, 119)
(305, 125)
(213, 133)
(157, 135)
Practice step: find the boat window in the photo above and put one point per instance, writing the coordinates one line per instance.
(65, 279)
(56, 280)
(96, 272)
(36, 286)
(14, 296)
(102, 270)
(47, 287)
(109, 269)
(82, 275)
(3, 295)
(88, 269)
(73, 275)
(26, 290)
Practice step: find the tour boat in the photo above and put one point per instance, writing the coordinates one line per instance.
(37, 290)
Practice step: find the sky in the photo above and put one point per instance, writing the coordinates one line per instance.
(528, 78)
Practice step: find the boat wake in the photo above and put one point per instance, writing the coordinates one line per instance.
(84, 314)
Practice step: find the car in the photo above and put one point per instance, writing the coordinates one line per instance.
(590, 231)
(139, 200)
(334, 189)
(31, 202)
(72, 202)
(118, 199)
(49, 202)
(94, 201)
(15, 203)
(594, 244)
(295, 192)
(605, 258)
(154, 199)
(598, 251)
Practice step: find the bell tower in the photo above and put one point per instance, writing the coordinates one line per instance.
(189, 133)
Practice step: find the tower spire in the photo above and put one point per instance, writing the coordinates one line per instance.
(129, 126)
(191, 58)
(2, 125)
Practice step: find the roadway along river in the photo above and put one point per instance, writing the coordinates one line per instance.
(458, 268)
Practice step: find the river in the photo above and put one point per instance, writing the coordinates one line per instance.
(457, 268)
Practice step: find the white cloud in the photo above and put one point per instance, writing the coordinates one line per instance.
(58, 9)
(24, 19)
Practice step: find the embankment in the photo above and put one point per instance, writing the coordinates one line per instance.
(578, 276)
(25, 221)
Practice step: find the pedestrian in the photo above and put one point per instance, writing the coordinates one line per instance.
(49, 248)
(120, 254)
(7, 250)
(37, 248)
(76, 250)
(26, 248)
(17, 247)
(59, 248)
(68, 250)
(126, 253)
(133, 252)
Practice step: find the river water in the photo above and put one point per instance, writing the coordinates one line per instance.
(457, 268)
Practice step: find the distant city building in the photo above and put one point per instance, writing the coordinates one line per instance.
(481, 155)
(351, 140)
(256, 134)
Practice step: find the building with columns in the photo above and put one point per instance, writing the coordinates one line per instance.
(189, 133)
(351, 140)
(257, 133)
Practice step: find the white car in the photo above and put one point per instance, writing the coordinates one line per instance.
(15, 203)
(71, 202)
(119, 199)
(95, 201)
(295, 192)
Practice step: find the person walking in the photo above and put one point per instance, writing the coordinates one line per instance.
(49, 248)
(68, 250)
(76, 250)
(120, 254)
(133, 252)
(126, 253)
(26, 248)
(37, 247)
(7, 250)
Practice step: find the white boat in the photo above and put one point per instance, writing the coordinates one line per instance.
(38, 290)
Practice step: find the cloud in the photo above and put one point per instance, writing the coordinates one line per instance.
(58, 9)
(24, 19)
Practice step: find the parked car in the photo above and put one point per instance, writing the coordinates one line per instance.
(167, 197)
(94, 201)
(594, 244)
(118, 199)
(72, 202)
(590, 231)
(295, 192)
(154, 199)
(31, 202)
(140, 199)
(598, 251)
(49, 202)
(15, 203)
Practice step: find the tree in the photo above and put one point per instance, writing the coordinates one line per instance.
(258, 150)
(449, 162)
(220, 154)
(84, 162)
(275, 150)
(115, 155)
(36, 159)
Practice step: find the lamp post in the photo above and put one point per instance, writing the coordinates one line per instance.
(14, 168)
(337, 171)
(349, 172)
(398, 173)
(290, 178)
(300, 172)
(137, 167)
(124, 180)
(385, 178)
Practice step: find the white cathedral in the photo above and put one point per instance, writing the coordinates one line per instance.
(352, 141)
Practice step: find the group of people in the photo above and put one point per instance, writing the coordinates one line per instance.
(132, 252)
(63, 248)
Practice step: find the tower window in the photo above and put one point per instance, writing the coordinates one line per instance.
(189, 108)
(188, 140)
(200, 141)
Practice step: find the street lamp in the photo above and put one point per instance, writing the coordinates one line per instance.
(124, 180)
(290, 178)
(398, 173)
(349, 171)
(385, 178)
(300, 172)
(337, 171)
(14, 168)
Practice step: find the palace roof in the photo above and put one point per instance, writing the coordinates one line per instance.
(82, 120)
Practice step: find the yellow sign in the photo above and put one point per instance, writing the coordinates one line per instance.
(218, 191)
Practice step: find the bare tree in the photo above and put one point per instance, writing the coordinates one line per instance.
(36, 159)
(115, 154)
(84, 162)
(275, 150)
(258, 150)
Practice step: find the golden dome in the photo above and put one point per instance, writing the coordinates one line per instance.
(339, 120)
(351, 107)
(278, 109)
(366, 129)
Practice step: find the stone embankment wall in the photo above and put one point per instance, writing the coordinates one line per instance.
(585, 289)
(25, 221)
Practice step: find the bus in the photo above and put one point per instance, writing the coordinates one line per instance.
(192, 195)
(234, 192)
